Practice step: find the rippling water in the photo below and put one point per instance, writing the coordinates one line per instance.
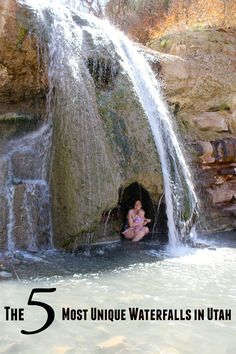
(145, 275)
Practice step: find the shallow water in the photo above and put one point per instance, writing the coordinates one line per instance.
(146, 275)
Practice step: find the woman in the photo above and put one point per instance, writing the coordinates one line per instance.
(132, 233)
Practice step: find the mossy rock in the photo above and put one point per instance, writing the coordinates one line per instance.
(14, 117)
(23, 32)
(224, 107)
(164, 42)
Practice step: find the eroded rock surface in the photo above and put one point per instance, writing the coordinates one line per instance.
(103, 145)
(23, 88)
(198, 69)
(100, 145)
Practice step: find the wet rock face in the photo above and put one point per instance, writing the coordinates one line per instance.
(23, 87)
(101, 142)
(103, 70)
(104, 144)
(3, 222)
(31, 225)
(14, 124)
(217, 177)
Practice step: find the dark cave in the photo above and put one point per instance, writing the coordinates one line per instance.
(156, 212)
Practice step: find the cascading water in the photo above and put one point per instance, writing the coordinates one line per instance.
(25, 165)
(66, 29)
(180, 197)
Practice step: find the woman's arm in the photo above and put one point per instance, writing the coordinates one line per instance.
(130, 218)
(146, 221)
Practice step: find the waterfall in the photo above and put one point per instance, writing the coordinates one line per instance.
(66, 28)
(25, 184)
(180, 197)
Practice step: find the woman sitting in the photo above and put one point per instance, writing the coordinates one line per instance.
(137, 228)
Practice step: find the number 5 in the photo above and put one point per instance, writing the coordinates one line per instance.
(49, 309)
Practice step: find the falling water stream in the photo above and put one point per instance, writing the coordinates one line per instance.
(26, 187)
(181, 201)
(180, 198)
(65, 48)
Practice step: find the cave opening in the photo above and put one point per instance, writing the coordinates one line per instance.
(129, 195)
(154, 211)
(114, 220)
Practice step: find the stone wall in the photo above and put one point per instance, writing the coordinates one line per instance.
(198, 69)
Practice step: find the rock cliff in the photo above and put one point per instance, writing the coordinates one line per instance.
(198, 69)
(23, 80)
(23, 88)
(102, 142)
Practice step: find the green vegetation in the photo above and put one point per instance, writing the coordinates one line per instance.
(23, 32)
(223, 107)
(164, 42)
(13, 118)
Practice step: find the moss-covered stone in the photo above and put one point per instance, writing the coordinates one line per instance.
(104, 144)
(14, 124)
(23, 31)
(14, 117)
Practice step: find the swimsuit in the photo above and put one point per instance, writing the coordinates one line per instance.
(137, 220)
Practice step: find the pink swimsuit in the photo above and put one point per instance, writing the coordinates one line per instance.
(137, 220)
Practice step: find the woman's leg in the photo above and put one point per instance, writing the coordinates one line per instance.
(138, 236)
(129, 234)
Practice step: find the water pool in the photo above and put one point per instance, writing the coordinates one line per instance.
(118, 276)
